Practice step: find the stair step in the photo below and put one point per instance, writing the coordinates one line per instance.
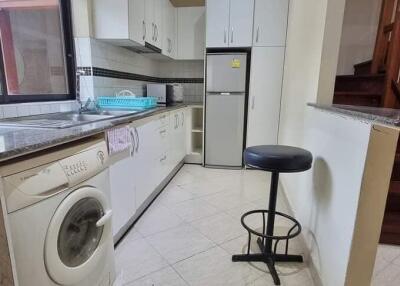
(396, 168)
(391, 228)
(360, 83)
(393, 199)
(357, 98)
(363, 68)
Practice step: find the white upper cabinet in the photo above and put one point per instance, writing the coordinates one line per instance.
(128, 22)
(191, 33)
(137, 24)
(217, 23)
(241, 23)
(229, 23)
(153, 19)
(169, 46)
(114, 20)
(270, 23)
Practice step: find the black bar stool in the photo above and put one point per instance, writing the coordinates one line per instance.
(275, 159)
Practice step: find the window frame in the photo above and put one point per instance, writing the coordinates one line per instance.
(70, 62)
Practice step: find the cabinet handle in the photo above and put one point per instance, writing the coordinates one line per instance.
(183, 118)
(163, 132)
(137, 140)
(225, 36)
(232, 36)
(133, 143)
(253, 99)
(144, 30)
(154, 31)
(258, 34)
(163, 158)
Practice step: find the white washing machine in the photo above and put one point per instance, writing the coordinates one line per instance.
(59, 216)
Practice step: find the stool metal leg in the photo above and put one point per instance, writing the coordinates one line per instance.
(273, 195)
(267, 255)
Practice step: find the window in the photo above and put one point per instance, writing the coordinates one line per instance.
(37, 58)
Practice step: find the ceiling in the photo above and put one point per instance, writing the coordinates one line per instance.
(187, 3)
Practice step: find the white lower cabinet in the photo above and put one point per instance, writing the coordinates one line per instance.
(157, 147)
(122, 193)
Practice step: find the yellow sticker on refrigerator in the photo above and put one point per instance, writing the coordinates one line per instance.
(235, 63)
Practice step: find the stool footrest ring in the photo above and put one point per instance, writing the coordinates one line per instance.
(268, 253)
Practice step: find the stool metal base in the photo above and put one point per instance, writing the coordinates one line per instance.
(268, 259)
(266, 238)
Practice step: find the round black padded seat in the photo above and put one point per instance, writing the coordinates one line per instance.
(278, 158)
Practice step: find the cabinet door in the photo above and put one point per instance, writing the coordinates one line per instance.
(217, 23)
(182, 135)
(158, 25)
(137, 24)
(191, 33)
(145, 155)
(265, 95)
(270, 22)
(149, 19)
(169, 29)
(241, 23)
(122, 187)
(110, 19)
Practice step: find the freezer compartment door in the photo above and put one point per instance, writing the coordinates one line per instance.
(224, 130)
(226, 72)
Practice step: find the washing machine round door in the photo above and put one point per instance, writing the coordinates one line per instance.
(77, 236)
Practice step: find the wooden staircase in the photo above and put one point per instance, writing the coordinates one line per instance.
(377, 83)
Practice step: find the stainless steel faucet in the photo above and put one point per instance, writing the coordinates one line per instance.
(78, 86)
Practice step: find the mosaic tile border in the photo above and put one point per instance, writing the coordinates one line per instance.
(95, 71)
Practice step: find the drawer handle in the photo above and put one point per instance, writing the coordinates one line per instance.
(163, 158)
(162, 132)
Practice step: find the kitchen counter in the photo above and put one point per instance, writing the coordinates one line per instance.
(386, 116)
(19, 141)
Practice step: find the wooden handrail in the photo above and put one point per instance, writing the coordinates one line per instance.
(388, 28)
(390, 100)
(383, 36)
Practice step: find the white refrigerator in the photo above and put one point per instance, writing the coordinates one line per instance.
(226, 89)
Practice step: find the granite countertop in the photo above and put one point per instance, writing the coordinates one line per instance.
(18, 141)
(386, 116)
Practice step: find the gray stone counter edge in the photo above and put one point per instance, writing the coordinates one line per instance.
(357, 114)
(68, 135)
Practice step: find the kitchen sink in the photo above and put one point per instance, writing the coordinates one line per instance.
(67, 119)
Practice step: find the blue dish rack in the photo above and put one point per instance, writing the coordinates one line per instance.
(126, 102)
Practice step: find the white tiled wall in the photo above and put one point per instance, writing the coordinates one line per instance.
(25, 109)
(91, 52)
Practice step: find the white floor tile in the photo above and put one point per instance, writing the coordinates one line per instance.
(202, 188)
(174, 194)
(219, 228)
(215, 267)
(164, 277)
(157, 218)
(179, 243)
(187, 237)
(193, 209)
(136, 258)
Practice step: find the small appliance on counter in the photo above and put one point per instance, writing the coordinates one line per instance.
(166, 94)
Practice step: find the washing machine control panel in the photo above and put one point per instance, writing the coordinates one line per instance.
(84, 165)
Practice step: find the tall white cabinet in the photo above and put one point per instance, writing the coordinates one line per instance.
(264, 95)
(229, 23)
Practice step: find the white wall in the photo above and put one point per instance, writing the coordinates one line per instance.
(360, 26)
(310, 68)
